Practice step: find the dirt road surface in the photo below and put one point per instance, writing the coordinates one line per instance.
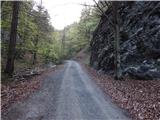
(67, 94)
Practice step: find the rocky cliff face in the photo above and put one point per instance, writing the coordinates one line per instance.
(139, 41)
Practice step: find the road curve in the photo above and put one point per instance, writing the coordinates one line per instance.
(68, 94)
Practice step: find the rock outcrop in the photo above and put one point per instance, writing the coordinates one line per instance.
(139, 40)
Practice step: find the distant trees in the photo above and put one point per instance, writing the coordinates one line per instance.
(13, 36)
(63, 41)
(78, 34)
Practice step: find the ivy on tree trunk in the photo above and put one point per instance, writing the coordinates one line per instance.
(117, 38)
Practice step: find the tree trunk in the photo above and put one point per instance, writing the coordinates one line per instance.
(2, 3)
(34, 57)
(13, 36)
(35, 50)
(63, 42)
(117, 37)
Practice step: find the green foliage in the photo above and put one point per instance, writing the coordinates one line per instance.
(78, 35)
(6, 12)
(35, 33)
(52, 49)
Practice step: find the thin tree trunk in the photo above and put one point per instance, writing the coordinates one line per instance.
(34, 57)
(35, 50)
(63, 42)
(117, 37)
(13, 36)
(2, 3)
(36, 41)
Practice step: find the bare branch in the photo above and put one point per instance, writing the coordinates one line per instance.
(103, 4)
(86, 5)
(103, 13)
(107, 3)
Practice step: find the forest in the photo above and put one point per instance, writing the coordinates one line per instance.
(116, 44)
(37, 42)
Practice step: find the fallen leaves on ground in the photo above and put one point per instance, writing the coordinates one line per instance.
(140, 98)
(19, 90)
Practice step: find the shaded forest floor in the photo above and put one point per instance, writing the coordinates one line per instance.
(140, 98)
(14, 91)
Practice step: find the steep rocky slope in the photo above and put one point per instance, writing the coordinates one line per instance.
(139, 41)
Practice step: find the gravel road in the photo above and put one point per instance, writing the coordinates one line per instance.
(67, 94)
